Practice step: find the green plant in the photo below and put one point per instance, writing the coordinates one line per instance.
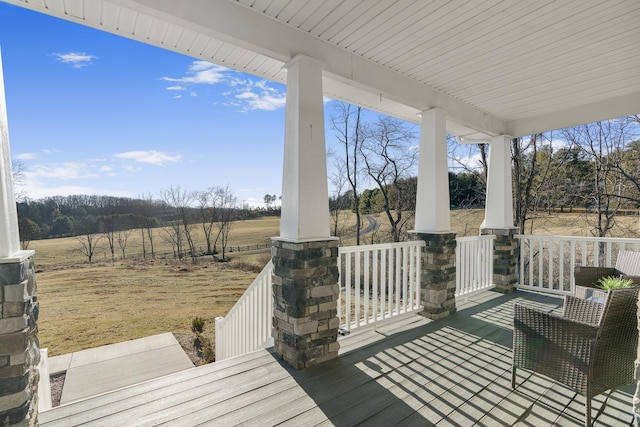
(197, 324)
(614, 282)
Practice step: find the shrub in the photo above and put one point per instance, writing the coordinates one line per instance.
(197, 324)
(208, 353)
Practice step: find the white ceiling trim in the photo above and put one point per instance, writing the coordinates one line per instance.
(614, 108)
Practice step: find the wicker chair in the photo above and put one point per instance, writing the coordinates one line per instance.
(591, 348)
(627, 266)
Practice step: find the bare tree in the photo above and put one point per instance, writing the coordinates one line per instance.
(108, 226)
(173, 236)
(469, 160)
(347, 124)
(107, 209)
(19, 180)
(123, 238)
(226, 215)
(389, 156)
(338, 201)
(208, 203)
(604, 143)
(180, 225)
(531, 170)
(146, 223)
(87, 229)
(270, 201)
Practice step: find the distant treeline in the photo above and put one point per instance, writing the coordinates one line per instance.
(64, 216)
(466, 190)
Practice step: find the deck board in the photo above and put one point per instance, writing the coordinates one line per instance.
(450, 372)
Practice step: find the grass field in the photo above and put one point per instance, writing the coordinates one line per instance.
(86, 305)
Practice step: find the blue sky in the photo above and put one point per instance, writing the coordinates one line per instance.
(94, 113)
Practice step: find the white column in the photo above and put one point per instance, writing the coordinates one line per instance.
(305, 194)
(498, 211)
(432, 199)
(9, 238)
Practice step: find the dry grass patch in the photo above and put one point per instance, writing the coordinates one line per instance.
(56, 253)
(84, 307)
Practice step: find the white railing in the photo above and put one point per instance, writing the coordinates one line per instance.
(247, 326)
(378, 282)
(44, 385)
(547, 263)
(474, 264)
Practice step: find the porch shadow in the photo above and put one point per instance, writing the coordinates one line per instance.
(454, 371)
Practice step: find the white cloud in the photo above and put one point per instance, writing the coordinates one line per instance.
(465, 163)
(244, 93)
(26, 156)
(64, 171)
(262, 101)
(150, 156)
(131, 168)
(257, 95)
(200, 72)
(559, 144)
(76, 59)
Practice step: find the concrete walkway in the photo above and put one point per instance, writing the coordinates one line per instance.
(111, 367)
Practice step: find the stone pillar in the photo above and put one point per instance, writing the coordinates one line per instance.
(433, 223)
(438, 277)
(498, 215)
(505, 258)
(19, 346)
(305, 256)
(305, 194)
(305, 297)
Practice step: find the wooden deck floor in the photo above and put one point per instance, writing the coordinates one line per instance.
(450, 372)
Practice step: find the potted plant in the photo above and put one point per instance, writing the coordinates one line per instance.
(602, 286)
(614, 282)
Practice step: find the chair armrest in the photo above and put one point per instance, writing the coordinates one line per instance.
(589, 276)
(554, 346)
(581, 310)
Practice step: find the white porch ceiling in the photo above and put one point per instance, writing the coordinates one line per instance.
(495, 66)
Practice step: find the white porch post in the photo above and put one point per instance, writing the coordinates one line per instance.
(305, 195)
(498, 211)
(432, 199)
(9, 238)
(305, 257)
(433, 225)
(498, 216)
(19, 346)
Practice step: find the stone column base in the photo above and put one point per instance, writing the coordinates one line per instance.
(438, 279)
(505, 258)
(19, 346)
(305, 301)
